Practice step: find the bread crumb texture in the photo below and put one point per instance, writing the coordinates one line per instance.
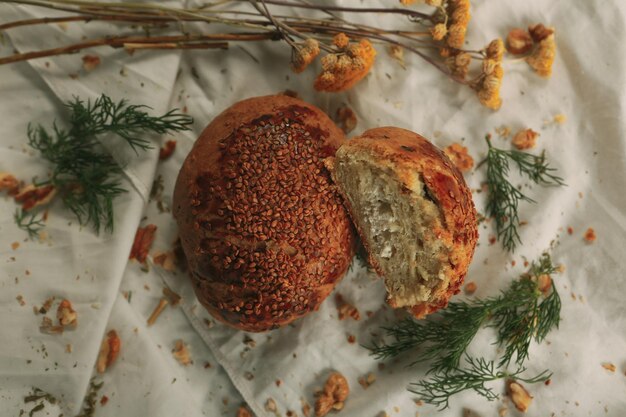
(414, 213)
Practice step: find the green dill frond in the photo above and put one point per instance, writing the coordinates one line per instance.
(29, 222)
(438, 388)
(519, 314)
(88, 177)
(504, 198)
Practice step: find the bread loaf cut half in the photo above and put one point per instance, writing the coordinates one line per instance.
(264, 231)
(414, 214)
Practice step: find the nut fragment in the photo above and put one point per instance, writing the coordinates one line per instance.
(66, 314)
(243, 412)
(167, 260)
(334, 395)
(90, 62)
(459, 156)
(345, 309)
(470, 288)
(167, 150)
(346, 119)
(48, 327)
(520, 397)
(544, 283)
(33, 196)
(109, 350)
(525, 139)
(181, 353)
(609, 366)
(143, 241)
(366, 381)
(9, 182)
(518, 41)
(590, 235)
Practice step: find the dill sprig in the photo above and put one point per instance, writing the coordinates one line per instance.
(520, 314)
(438, 389)
(504, 198)
(87, 176)
(29, 222)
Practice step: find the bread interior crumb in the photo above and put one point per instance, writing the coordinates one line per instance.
(398, 225)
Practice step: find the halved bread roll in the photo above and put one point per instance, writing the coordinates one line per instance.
(414, 214)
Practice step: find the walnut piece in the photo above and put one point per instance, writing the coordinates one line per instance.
(518, 41)
(9, 182)
(345, 309)
(109, 351)
(333, 396)
(346, 119)
(459, 156)
(525, 139)
(90, 62)
(539, 32)
(66, 314)
(520, 397)
(181, 353)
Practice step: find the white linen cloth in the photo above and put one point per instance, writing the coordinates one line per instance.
(589, 151)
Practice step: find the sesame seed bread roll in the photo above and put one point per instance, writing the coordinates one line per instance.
(265, 234)
(414, 214)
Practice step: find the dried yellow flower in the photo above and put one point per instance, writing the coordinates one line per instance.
(459, 64)
(439, 31)
(304, 54)
(542, 58)
(488, 88)
(456, 35)
(495, 50)
(341, 40)
(342, 71)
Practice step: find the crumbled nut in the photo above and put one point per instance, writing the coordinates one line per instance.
(166, 260)
(68, 348)
(544, 283)
(248, 341)
(539, 32)
(278, 382)
(345, 309)
(459, 156)
(20, 299)
(525, 139)
(608, 366)
(366, 381)
(570, 230)
(143, 240)
(48, 327)
(270, 405)
(9, 182)
(470, 288)
(503, 131)
(109, 350)
(502, 412)
(33, 196)
(181, 353)
(351, 338)
(90, 62)
(104, 400)
(157, 311)
(590, 235)
(559, 118)
(520, 397)
(334, 395)
(346, 119)
(244, 412)
(518, 41)
(66, 314)
(167, 150)
(15, 245)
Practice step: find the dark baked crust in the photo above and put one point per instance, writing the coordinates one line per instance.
(264, 232)
(407, 153)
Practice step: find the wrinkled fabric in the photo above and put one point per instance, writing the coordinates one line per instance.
(588, 150)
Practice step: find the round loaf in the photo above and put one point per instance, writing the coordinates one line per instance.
(413, 211)
(265, 233)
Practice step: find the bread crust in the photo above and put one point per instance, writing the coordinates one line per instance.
(264, 231)
(406, 153)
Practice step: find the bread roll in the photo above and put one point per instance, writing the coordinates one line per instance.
(414, 214)
(265, 234)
